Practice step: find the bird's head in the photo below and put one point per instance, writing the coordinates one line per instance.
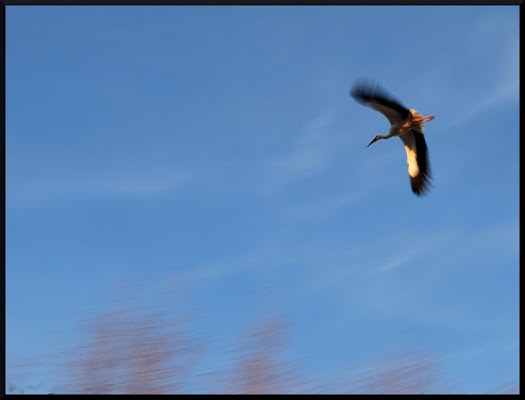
(374, 139)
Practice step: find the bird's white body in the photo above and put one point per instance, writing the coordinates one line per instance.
(403, 129)
(405, 123)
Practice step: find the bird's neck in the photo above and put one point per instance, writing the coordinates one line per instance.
(393, 131)
(398, 129)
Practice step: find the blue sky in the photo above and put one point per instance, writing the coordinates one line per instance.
(216, 150)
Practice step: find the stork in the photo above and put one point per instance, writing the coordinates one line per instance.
(405, 123)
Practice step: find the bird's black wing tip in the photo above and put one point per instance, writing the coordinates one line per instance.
(421, 185)
(366, 90)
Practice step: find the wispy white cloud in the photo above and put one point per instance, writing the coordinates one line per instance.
(308, 157)
(488, 28)
(324, 208)
(403, 284)
(459, 89)
(360, 261)
(397, 282)
(398, 261)
(508, 90)
(144, 186)
(93, 186)
(211, 272)
(502, 238)
(496, 38)
(413, 247)
(266, 255)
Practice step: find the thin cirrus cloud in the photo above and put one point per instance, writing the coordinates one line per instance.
(445, 250)
(411, 251)
(505, 73)
(309, 157)
(459, 92)
(324, 208)
(94, 186)
(449, 248)
(507, 91)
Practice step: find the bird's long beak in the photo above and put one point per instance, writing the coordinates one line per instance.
(429, 118)
(373, 140)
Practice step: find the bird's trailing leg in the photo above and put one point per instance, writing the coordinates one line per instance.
(423, 120)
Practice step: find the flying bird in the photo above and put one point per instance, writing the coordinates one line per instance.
(407, 124)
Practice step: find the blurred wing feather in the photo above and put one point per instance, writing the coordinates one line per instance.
(417, 161)
(374, 96)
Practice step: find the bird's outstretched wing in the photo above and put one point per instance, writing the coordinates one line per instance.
(417, 161)
(372, 95)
